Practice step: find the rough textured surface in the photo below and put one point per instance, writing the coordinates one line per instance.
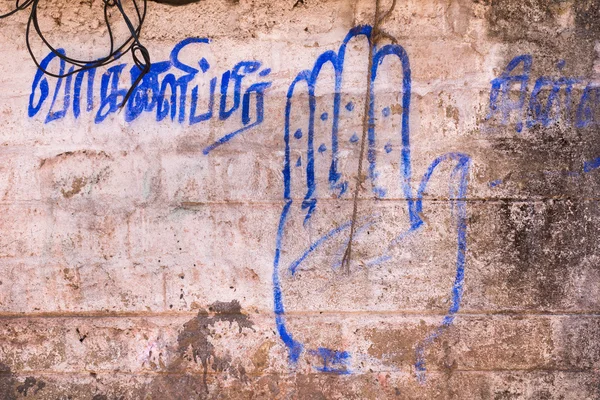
(189, 245)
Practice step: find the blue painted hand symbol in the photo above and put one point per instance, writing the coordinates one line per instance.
(318, 180)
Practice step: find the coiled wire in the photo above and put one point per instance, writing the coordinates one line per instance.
(139, 53)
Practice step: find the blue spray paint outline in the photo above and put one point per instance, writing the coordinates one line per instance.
(415, 207)
(589, 166)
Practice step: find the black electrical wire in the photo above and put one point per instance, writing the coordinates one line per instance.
(139, 53)
(18, 7)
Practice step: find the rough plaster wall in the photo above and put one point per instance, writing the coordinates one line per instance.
(133, 266)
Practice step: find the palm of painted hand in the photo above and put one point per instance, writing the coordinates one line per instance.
(307, 274)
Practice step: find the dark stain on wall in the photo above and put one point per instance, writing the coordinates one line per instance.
(31, 386)
(539, 250)
(546, 162)
(587, 18)
(196, 333)
(10, 389)
(7, 383)
(180, 381)
(194, 345)
(545, 29)
(542, 235)
(517, 20)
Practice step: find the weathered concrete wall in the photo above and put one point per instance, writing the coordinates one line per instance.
(166, 252)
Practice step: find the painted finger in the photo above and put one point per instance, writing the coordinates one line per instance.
(388, 158)
(389, 154)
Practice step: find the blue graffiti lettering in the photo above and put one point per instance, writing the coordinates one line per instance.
(588, 111)
(91, 74)
(500, 100)
(550, 101)
(332, 361)
(164, 91)
(110, 96)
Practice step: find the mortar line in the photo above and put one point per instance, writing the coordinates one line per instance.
(183, 372)
(400, 313)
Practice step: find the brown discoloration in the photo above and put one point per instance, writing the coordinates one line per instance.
(452, 112)
(189, 386)
(76, 186)
(46, 162)
(396, 109)
(260, 359)
(75, 173)
(196, 333)
(461, 385)
(547, 222)
(191, 144)
(397, 346)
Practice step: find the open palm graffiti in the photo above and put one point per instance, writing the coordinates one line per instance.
(309, 155)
